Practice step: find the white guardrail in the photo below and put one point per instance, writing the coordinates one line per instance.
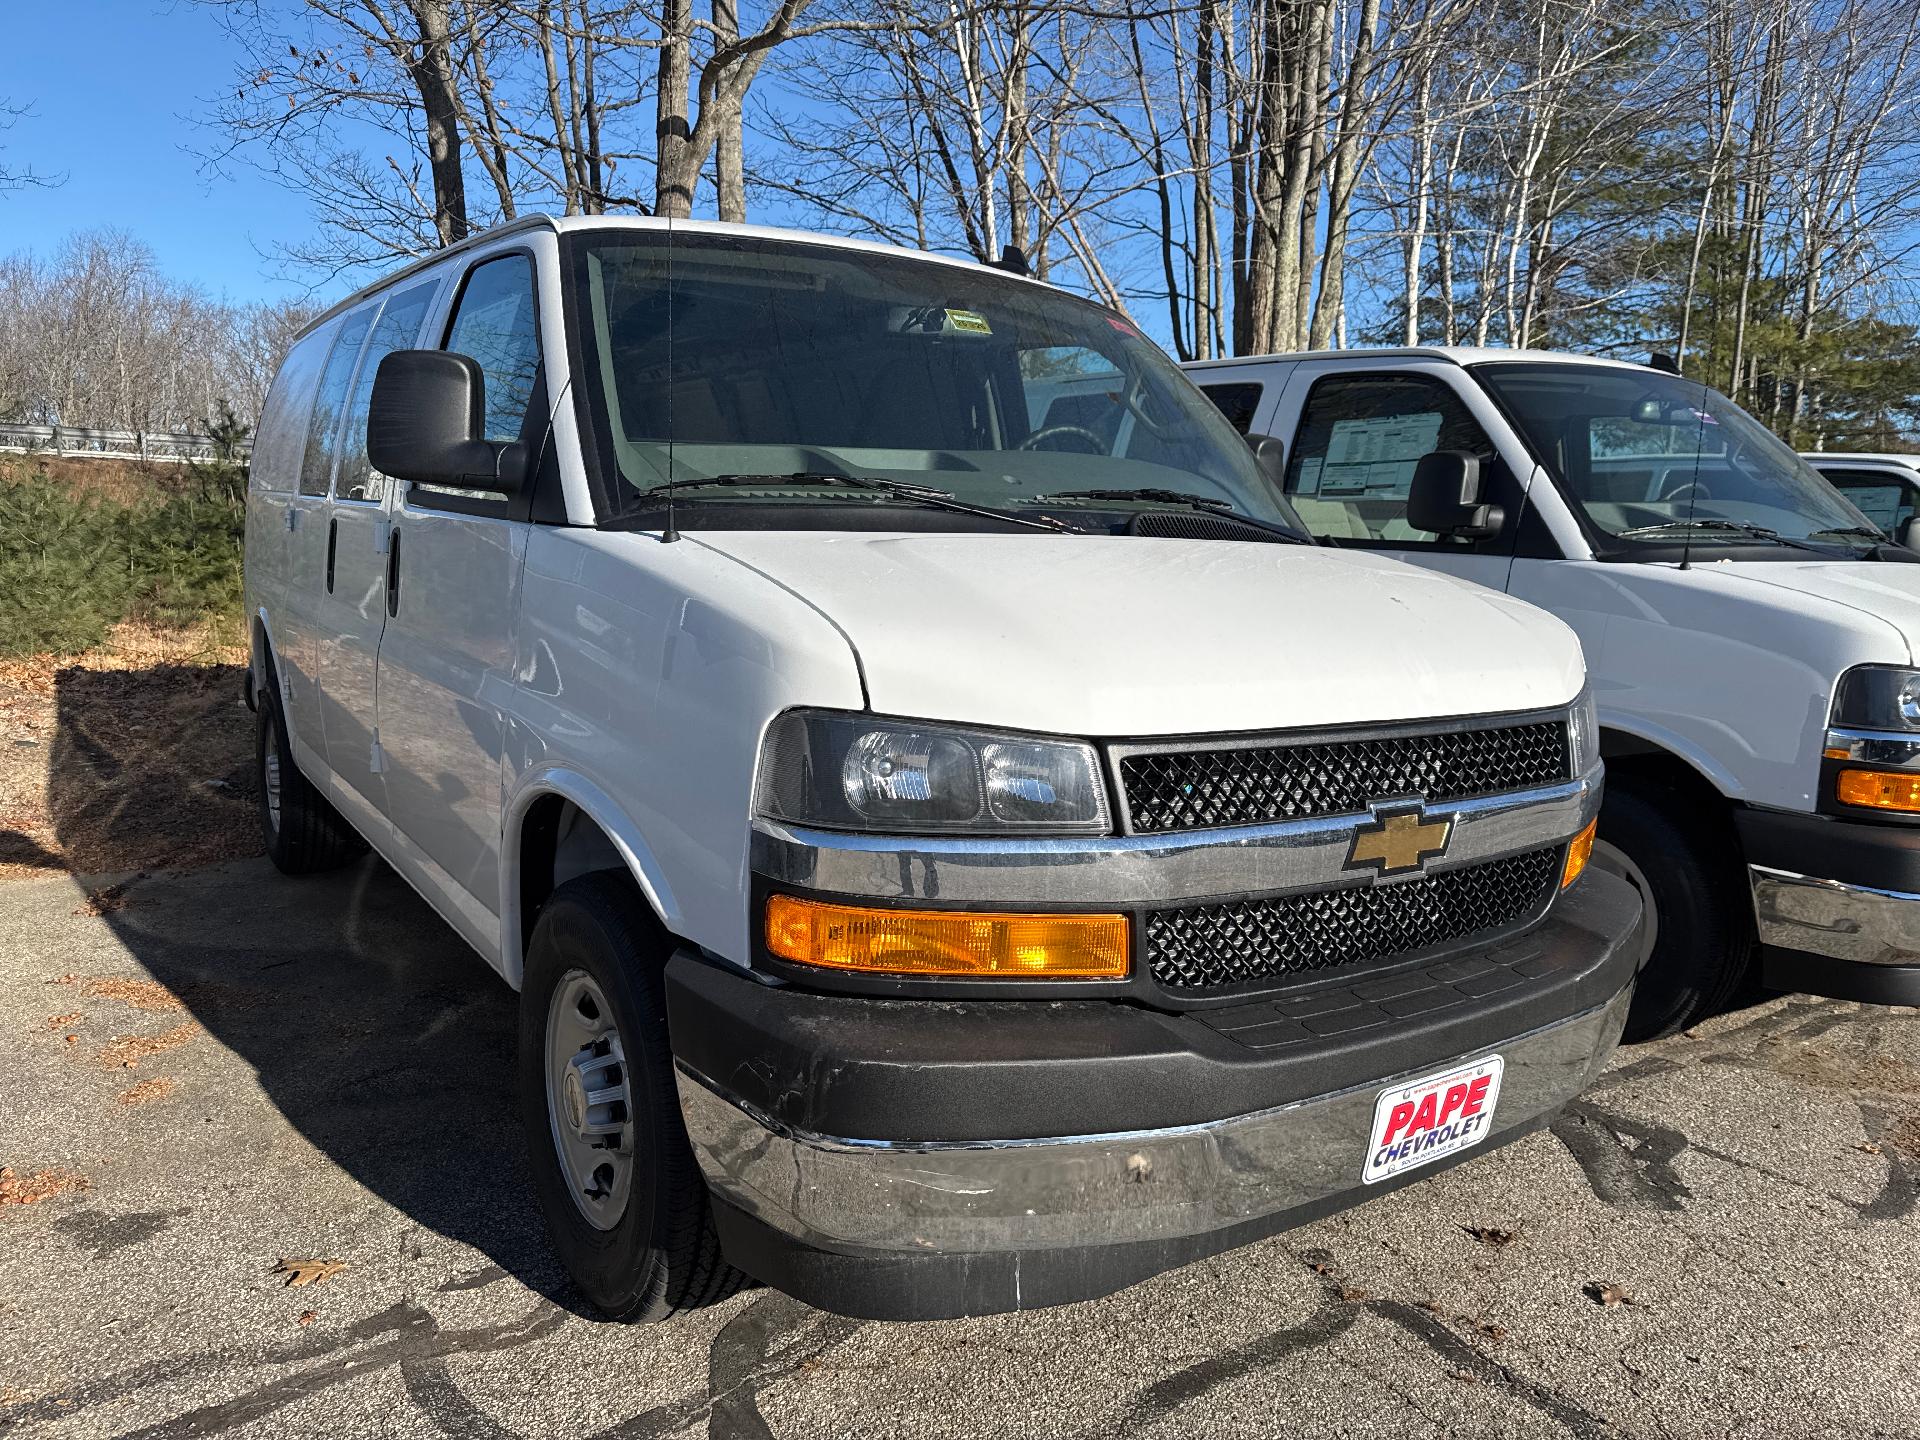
(117, 444)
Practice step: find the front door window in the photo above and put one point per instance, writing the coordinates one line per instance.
(1352, 461)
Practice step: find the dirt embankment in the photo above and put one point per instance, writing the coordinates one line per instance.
(134, 756)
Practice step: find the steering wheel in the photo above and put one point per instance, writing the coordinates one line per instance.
(1094, 444)
(1679, 491)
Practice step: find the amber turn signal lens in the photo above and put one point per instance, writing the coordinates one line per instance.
(1878, 789)
(947, 942)
(1578, 853)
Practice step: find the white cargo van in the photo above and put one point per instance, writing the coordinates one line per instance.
(1750, 635)
(959, 845)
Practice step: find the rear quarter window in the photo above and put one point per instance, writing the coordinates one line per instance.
(1239, 402)
(280, 438)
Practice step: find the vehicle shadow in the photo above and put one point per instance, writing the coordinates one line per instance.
(373, 1028)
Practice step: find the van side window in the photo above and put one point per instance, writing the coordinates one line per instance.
(1875, 494)
(323, 428)
(280, 439)
(495, 324)
(399, 329)
(1239, 402)
(1359, 438)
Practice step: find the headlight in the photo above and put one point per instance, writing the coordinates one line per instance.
(1878, 697)
(858, 772)
(1583, 733)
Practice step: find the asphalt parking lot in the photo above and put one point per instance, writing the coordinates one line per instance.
(208, 1072)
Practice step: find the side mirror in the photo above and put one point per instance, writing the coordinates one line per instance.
(1445, 497)
(423, 424)
(1906, 533)
(1271, 456)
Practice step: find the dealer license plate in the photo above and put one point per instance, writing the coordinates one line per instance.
(1431, 1118)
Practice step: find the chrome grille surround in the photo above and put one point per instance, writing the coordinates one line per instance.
(1216, 782)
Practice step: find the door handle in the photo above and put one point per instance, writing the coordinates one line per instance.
(393, 575)
(333, 543)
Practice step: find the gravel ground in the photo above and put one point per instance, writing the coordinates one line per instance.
(211, 1071)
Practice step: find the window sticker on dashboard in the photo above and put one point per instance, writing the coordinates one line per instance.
(1431, 1118)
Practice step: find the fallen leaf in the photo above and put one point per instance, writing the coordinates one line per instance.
(72, 1017)
(123, 1052)
(106, 899)
(1322, 1267)
(64, 980)
(157, 1088)
(307, 1317)
(1868, 1149)
(1607, 1292)
(1491, 1235)
(1139, 1167)
(307, 1272)
(1492, 1331)
(1352, 1294)
(16, 1189)
(148, 995)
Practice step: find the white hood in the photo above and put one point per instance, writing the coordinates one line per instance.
(1121, 636)
(1889, 593)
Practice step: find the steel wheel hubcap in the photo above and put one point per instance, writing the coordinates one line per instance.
(1615, 861)
(589, 1100)
(270, 775)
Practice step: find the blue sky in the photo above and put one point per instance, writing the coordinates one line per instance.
(115, 87)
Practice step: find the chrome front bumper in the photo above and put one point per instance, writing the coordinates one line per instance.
(1072, 1192)
(1843, 922)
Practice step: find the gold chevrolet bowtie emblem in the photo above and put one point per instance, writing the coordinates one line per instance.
(1400, 842)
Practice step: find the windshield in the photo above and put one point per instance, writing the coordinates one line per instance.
(1658, 459)
(781, 367)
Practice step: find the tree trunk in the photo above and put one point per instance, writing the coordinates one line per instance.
(1344, 177)
(729, 147)
(432, 71)
(674, 176)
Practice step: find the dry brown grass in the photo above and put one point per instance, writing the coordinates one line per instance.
(133, 756)
(122, 481)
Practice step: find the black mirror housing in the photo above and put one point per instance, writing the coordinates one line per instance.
(1271, 456)
(1444, 497)
(1907, 533)
(423, 425)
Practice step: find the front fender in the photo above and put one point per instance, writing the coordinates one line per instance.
(598, 806)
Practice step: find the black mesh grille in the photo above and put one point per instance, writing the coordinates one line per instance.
(1205, 947)
(1198, 789)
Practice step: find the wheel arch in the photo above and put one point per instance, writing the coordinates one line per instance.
(1627, 751)
(264, 668)
(559, 825)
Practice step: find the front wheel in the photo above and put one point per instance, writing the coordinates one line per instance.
(1696, 932)
(616, 1179)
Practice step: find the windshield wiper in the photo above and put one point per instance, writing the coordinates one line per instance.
(902, 490)
(1735, 527)
(1156, 495)
(1854, 532)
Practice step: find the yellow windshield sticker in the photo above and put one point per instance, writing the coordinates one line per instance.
(966, 322)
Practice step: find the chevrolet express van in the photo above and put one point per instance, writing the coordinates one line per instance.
(954, 855)
(1750, 633)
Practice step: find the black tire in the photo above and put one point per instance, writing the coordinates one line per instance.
(1694, 889)
(306, 834)
(660, 1256)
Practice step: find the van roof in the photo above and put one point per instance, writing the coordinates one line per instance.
(571, 223)
(1879, 457)
(1456, 354)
